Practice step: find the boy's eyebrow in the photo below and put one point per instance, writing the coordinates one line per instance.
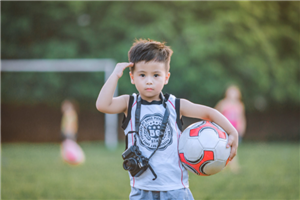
(142, 71)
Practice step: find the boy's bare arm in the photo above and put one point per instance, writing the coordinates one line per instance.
(106, 103)
(192, 110)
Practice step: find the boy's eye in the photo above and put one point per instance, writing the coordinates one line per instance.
(142, 75)
(156, 75)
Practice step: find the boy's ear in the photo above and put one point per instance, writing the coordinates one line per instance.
(167, 78)
(131, 78)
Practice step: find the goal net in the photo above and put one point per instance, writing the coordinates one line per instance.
(72, 65)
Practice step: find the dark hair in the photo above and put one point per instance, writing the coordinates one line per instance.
(149, 50)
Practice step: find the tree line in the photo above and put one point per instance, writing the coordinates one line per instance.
(254, 45)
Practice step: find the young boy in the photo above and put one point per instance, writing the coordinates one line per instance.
(149, 72)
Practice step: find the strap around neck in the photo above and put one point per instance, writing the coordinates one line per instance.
(138, 114)
(162, 126)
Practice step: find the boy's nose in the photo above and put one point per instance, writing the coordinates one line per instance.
(149, 81)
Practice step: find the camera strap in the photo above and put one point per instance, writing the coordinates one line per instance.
(145, 161)
(162, 126)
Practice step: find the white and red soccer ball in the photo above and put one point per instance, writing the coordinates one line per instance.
(202, 148)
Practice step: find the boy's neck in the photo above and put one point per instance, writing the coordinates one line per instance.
(149, 100)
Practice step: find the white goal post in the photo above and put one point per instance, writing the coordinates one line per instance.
(71, 65)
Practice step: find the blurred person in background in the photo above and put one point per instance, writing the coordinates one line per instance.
(70, 150)
(69, 122)
(232, 107)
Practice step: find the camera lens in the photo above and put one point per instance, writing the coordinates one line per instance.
(130, 164)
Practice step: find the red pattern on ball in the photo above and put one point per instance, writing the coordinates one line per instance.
(194, 132)
(207, 156)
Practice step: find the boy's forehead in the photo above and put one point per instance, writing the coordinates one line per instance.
(151, 65)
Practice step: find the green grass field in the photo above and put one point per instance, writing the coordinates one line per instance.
(36, 171)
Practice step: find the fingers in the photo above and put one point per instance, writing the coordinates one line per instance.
(120, 67)
(131, 64)
(125, 64)
(232, 153)
(229, 143)
(233, 144)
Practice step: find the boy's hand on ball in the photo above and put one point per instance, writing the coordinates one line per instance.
(233, 143)
(120, 68)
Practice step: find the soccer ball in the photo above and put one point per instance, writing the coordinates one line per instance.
(202, 148)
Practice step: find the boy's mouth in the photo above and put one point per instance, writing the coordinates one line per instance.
(149, 89)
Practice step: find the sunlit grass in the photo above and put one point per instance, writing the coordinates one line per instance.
(36, 171)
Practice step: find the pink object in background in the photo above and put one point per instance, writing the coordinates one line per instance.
(71, 152)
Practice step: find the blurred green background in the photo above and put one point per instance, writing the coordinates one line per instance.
(252, 44)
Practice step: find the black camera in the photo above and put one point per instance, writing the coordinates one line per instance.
(135, 162)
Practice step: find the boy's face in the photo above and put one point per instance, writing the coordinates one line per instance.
(149, 79)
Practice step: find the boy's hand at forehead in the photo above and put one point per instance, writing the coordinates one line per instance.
(120, 68)
(106, 102)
